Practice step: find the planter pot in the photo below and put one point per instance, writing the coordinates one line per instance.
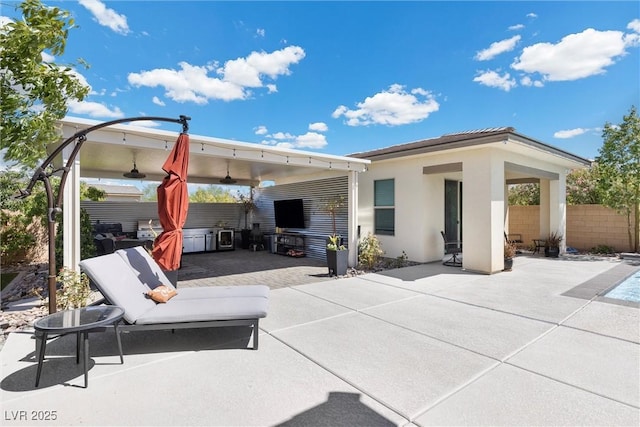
(551, 251)
(337, 261)
(508, 264)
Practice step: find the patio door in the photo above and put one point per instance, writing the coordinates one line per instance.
(453, 210)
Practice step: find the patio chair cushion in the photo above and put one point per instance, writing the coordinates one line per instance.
(127, 286)
(205, 309)
(119, 284)
(145, 267)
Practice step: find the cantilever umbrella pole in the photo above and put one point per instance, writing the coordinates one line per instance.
(54, 203)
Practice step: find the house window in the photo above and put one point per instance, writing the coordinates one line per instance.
(383, 205)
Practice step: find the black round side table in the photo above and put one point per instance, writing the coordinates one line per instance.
(80, 321)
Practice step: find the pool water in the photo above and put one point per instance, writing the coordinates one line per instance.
(628, 289)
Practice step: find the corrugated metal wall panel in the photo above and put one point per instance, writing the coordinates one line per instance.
(129, 213)
(318, 224)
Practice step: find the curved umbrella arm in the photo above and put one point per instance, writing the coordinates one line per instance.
(54, 203)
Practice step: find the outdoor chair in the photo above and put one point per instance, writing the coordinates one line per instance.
(125, 276)
(454, 249)
(515, 240)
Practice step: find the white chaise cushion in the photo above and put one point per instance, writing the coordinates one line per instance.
(119, 284)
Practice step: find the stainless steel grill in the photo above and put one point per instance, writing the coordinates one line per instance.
(149, 229)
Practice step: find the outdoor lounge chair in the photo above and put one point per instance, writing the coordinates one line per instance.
(452, 248)
(125, 276)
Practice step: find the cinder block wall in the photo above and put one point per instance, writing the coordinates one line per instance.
(587, 226)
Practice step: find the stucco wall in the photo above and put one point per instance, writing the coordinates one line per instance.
(587, 226)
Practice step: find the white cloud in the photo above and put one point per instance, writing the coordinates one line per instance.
(261, 130)
(576, 56)
(528, 81)
(318, 127)
(260, 32)
(532, 15)
(249, 71)
(158, 101)
(282, 135)
(94, 109)
(634, 25)
(107, 17)
(312, 140)
(493, 79)
(570, 133)
(516, 27)
(147, 123)
(47, 57)
(497, 48)
(193, 83)
(392, 107)
(4, 20)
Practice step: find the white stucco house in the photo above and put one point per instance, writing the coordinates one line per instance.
(405, 194)
(458, 183)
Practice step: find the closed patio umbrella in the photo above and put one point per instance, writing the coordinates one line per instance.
(173, 204)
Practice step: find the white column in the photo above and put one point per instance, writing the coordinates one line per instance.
(71, 213)
(558, 208)
(545, 210)
(352, 218)
(483, 213)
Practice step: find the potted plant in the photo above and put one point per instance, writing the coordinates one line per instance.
(509, 253)
(248, 206)
(552, 245)
(337, 253)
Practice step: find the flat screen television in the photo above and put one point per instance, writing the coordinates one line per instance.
(289, 213)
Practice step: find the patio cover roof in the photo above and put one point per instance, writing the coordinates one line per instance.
(109, 152)
(475, 138)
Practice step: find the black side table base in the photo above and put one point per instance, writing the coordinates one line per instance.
(82, 345)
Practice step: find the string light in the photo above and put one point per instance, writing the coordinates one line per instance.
(165, 145)
(202, 146)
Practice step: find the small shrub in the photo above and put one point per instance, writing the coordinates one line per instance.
(401, 261)
(369, 251)
(74, 290)
(603, 249)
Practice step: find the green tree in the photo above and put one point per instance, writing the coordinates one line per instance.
(524, 194)
(150, 193)
(34, 93)
(24, 221)
(619, 171)
(211, 194)
(582, 186)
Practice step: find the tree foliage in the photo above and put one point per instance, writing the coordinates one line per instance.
(619, 170)
(524, 194)
(582, 186)
(24, 221)
(212, 194)
(34, 93)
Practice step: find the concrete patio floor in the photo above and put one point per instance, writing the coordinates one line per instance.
(422, 345)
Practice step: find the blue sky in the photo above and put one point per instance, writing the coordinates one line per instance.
(346, 77)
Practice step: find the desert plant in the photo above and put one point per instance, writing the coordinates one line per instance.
(74, 290)
(332, 206)
(509, 250)
(334, 244)
(553, 240)
(603, 249)
(369, 251)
